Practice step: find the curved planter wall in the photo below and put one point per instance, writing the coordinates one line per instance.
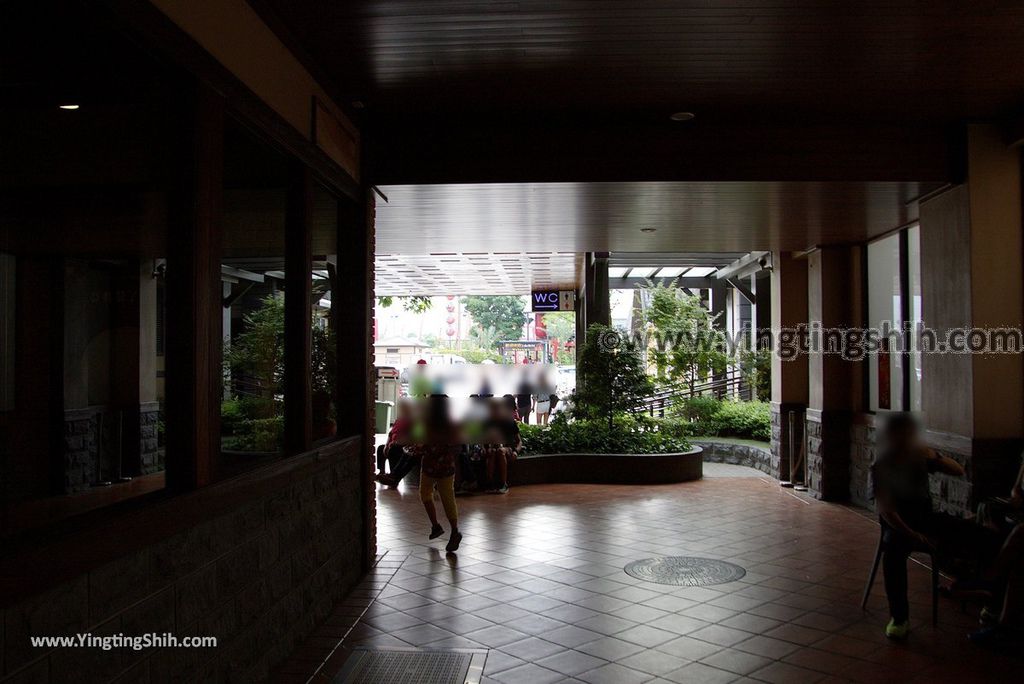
(738, 454)
(607, 468)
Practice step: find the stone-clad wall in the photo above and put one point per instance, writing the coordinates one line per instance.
(828, 454)
(759, 457)
(259, 577)
(150, 458)
(81, 448)
(862, 455)
(949, 494)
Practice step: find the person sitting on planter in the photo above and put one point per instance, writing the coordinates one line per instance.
(394, 452)
(504, 446)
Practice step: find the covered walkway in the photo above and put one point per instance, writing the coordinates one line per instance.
(539, 584)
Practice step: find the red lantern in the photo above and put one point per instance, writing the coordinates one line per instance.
(451, 297)
(450, 320)
(451, 332)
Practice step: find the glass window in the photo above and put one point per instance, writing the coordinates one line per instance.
(252, 280)
(885, 367)
(88, 156)
(916, 317)
(324, 360)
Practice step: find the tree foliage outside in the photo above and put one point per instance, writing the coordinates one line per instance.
(503, 313)
(252, 415)
(686, 346)
(756, 367)
(560, 325)
(414, 304)
(615, 380)
(484, 338)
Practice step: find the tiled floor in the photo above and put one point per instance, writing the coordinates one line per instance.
(539, 581)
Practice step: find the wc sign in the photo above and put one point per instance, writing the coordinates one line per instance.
(552, 300)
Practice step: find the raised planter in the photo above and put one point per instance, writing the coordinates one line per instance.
(607, 468)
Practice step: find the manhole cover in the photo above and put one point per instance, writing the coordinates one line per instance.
(412, 666)
(684, 571)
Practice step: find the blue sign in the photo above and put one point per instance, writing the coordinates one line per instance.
(545, 300)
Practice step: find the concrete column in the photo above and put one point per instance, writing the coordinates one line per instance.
(830, 376)
(789, 371)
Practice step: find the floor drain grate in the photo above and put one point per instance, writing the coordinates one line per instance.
(412, 666)
(684, 571)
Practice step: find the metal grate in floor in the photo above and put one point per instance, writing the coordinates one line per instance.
(412, 666)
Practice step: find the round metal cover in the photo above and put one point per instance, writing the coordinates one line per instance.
(684, 571)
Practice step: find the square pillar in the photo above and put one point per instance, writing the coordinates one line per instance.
(830, 377)
(789, 371)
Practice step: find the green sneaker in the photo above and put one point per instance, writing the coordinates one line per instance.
(897, 631)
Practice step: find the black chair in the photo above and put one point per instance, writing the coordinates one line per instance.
(935, 575)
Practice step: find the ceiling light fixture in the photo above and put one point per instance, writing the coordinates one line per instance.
(68, 106)
(648, 230)
(682, 116)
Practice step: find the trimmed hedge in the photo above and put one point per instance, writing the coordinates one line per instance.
(706, 416)
(629, 435)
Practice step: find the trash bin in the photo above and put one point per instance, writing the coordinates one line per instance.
(383, 410)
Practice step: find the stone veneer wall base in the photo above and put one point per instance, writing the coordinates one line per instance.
(260, 577)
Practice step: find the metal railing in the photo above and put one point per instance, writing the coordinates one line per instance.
(729, 383)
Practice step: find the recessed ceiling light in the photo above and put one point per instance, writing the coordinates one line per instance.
(648, 230)
(682, 116)
(68, 106)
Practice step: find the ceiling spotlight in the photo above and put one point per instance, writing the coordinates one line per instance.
(648, 230)
(682, 116)
(68, 106)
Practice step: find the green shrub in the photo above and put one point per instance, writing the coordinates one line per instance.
(628, 435)
(260, 434)
(752, 419)
(706, 416)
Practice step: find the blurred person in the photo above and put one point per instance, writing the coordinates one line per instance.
(900, 476)
(393, 451)
(524, 401)
(542, 404)
(512, 406)
(438, 443)
(504, 445)
(1004, 619)
(1003, 615)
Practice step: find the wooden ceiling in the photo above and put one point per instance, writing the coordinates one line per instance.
(816, 122)
(686, 217)
(545, 90)
(895, 60)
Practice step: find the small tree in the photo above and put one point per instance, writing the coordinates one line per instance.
(256, 356)
(614, 378)
(686, 343)
(504, 313)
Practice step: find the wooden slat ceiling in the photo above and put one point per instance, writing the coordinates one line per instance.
(686, 217)
(817, 121)
(908, 60)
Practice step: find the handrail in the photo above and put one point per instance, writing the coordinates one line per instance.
(727, 381)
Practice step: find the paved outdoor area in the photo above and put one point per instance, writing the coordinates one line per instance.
(539, 581)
